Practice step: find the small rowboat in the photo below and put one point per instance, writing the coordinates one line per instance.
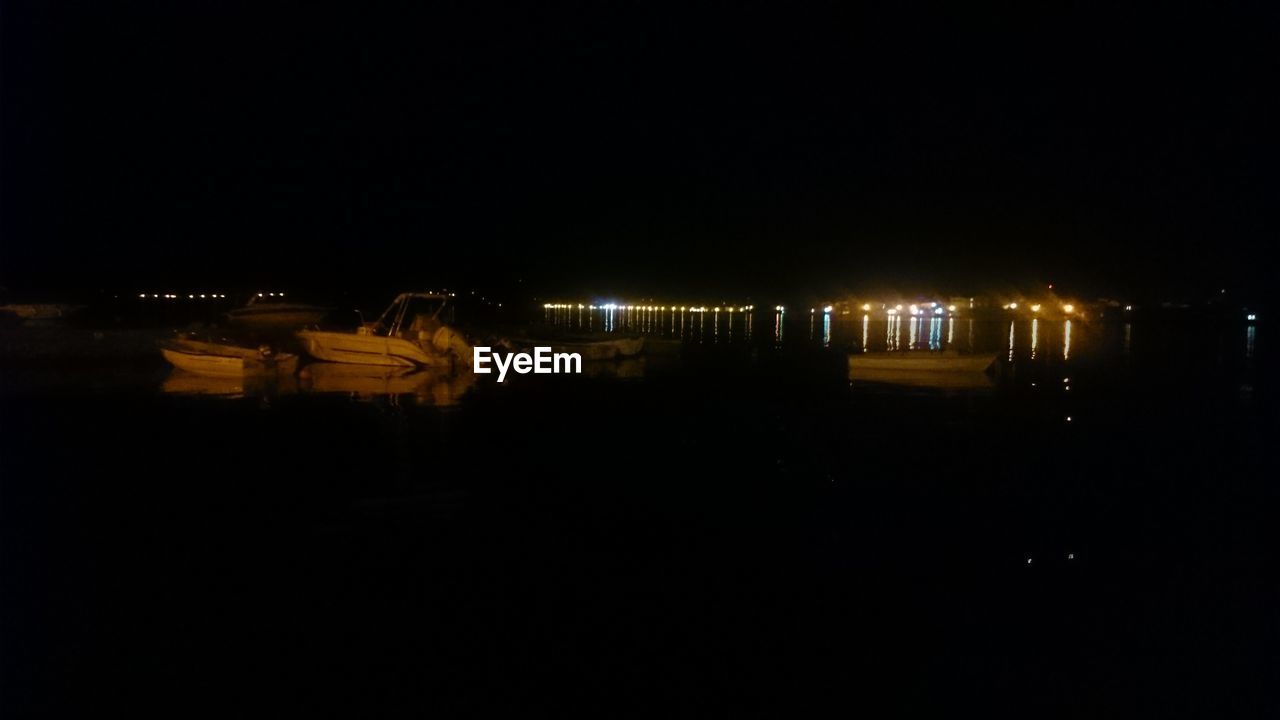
(224, 360)
(922, 368)
(612, 349)
(590, 348)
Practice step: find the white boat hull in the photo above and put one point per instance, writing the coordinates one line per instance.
(921, 361)
(359, 349)
(216, 361)
(922, 369)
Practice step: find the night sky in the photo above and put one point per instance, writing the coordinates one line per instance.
(618, 147)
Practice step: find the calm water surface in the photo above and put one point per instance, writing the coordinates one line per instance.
(728, 522)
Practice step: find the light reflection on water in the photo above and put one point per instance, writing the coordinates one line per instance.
(1024, 338)
(427, 387)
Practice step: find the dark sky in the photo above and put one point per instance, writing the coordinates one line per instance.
(636, 147)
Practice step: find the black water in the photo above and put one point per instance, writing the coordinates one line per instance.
(722, 528)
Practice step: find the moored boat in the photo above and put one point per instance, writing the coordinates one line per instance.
(225, 360)
(270, 313)
(923, 368)
(410, 333)
(590, 348)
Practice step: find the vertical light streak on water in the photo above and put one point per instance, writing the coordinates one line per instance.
(935, 334)
(970, 330)
(911, 336)
(826, 329)
(715, 326)
(1010, 341)
(951, 331)
(777, 327)
(1066, 341)
(812, 320)
(1035, 336)
(866, 325)
(1249, 335)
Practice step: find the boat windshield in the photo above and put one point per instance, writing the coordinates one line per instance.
(413, 313)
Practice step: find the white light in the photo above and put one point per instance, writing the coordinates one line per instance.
(938, 311)
(952, 308)
(1068, 308)
(1013, 306)
(1251, 317)
(826, 309)
(866, 307)
(1035, 308)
